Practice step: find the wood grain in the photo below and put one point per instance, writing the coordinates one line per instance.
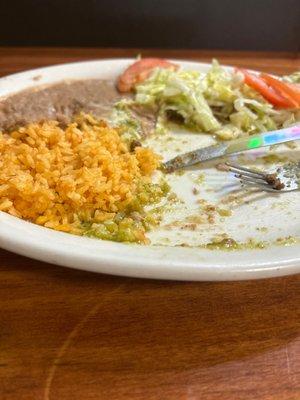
(17, 59)
(71, 335)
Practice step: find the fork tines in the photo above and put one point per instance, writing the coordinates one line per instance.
(250, 177)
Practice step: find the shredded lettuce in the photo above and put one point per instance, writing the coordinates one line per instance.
(240, 109)
(216, 102)
(180, 91)
(293, 78)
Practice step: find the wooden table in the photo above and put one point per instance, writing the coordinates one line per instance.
(71, 335)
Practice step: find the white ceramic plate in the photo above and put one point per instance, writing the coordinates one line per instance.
(260, 217)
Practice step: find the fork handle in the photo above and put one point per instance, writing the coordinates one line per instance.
(264, 139)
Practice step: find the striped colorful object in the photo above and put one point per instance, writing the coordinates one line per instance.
(274, 137)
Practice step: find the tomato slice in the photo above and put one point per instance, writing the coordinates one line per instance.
(271, 95)
(288, 90)
(140, 70)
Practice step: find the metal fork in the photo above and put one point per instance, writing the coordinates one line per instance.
(285, 179)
